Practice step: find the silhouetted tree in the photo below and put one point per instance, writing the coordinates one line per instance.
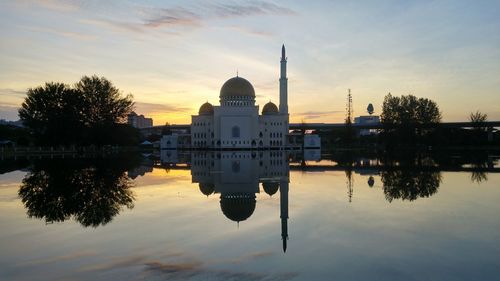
(102, 101)
(479, 132)
(58, 114)
(52, 113)
(478, 118)
(20, 136)
(402, 117)
(409, 110)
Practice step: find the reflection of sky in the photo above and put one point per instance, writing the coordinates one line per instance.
(175, 232)
(174, 55)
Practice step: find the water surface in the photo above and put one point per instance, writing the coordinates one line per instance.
(249, 216)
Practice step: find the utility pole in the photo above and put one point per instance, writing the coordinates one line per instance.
(349, 110)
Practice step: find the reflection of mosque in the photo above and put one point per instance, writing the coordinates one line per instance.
(236, 177)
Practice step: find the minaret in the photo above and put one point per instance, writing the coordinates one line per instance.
(283, 84)
(284, 211)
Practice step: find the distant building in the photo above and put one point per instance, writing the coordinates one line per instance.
(175, 141)
(312, 141)
(139, 121)
(367, 120)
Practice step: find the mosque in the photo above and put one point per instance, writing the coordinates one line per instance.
(236, 123)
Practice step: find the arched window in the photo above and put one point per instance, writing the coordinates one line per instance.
(235, 132)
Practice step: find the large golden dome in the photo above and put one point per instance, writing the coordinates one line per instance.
(237, 87)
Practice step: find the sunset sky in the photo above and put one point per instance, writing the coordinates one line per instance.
(172, 56)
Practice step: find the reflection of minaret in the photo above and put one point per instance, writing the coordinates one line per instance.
(283, 84)
(284, 211)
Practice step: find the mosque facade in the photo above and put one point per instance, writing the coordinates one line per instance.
(236, 122)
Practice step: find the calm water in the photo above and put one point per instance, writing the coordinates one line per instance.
(231, 216)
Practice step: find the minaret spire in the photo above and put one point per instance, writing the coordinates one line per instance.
(283, 83)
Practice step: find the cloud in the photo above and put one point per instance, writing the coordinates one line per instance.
(120, 26)
(68, 34)
(317, 114)
(192, 16)
(152, 108)
(254, 32)
(57, 5)
(196, 15)
(11, 92)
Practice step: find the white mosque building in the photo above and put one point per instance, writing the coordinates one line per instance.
(236, 123)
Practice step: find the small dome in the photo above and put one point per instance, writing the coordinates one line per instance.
(206, 109)
(270, 108)
(237, 207)
(237, 87)
(271, 187)
(207, 188)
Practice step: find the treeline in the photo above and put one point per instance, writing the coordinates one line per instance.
(91, 112)
(412, 122)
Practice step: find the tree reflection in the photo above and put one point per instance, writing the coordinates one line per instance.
(480, 164)
(409, 184)
(91, 192)
(478, 176)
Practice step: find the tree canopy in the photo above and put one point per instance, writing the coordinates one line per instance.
(402, 117)
(102, 101)
(409, 110)
(59, 114)
(479, 119)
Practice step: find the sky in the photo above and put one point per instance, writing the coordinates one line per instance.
(172, 56)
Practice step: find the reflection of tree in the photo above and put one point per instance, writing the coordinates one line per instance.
(479, 165)
(478, 176)
(91, 193)
(409, 184)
